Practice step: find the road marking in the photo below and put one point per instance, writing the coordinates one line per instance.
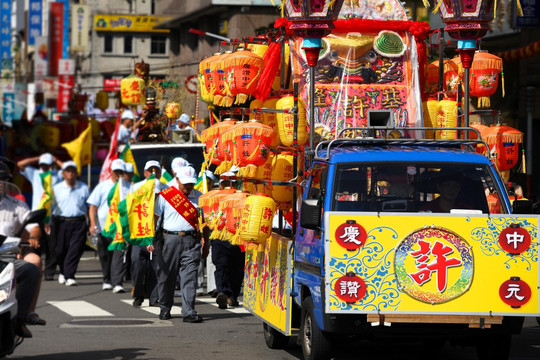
(212, 301)
(117, 323)
(79, 308)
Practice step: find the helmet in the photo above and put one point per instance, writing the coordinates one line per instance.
(4, 171)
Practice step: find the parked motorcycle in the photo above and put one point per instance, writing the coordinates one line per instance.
(9, 248)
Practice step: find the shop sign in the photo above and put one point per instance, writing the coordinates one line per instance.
(132, 23)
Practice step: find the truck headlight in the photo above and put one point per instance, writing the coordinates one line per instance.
(7, 278)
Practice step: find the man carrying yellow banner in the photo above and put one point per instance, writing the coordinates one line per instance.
(105, 193)
(127, 156)
(47, 243)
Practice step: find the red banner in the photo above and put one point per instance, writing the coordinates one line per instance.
(111, 84)
(65, 86)
(56, 16)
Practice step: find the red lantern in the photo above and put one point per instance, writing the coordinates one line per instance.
(432, 77)
(211, 137)
(232, 206)
(218, 78)
(251, 143)
(243, 68)
(504, 142)
(453, 72)
(206, 84)
(485, 70)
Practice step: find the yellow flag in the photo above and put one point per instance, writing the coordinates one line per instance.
(80, 149)
(113, 227)
(46, 197)
(127, 156)
(139, 208)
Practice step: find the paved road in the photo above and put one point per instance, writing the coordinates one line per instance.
(86, 323)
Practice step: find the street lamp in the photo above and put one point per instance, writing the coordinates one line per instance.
(467, 21)
(312, 20)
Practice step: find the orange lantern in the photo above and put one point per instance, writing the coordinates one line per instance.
(282, 171)
(209, 202)
(232, 206)
(504, 142)
(132, 90)
(102, 100)
(172, 110)
(243, 68)
(429, 109)
(206, 85)
(286, 122)
(210, 136)
(432, 77)
(257, 218)
(481, 149)
(218, 77)
(453, 72)
(226, 149)
(485, 70)
(251, 142)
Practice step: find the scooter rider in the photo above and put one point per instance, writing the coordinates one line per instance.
(12, 214)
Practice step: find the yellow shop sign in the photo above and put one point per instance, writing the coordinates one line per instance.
(129, 23)
(432, 264)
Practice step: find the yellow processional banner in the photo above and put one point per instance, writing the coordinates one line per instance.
(137, 214)
(267, 283)
(47, 196)
(431, 264)
(113, 227)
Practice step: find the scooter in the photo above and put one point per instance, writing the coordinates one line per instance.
(9, 247)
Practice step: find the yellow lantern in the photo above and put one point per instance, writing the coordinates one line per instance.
(446, 117)
(132, 90)
(256, 104)
(264, 172)
(268, 118)
(257, 218)
(102, 100)
(173, 110)
(286, 122)
(430, 116)
(248, 187)
(282, 171)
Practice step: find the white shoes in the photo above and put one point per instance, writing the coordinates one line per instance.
(71, 282)
(106, 286)
(118, 289)
(61, 279)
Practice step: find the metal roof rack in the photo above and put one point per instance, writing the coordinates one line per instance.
(382, 135)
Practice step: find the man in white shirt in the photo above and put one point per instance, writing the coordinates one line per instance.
(127, 126)
(181, 246)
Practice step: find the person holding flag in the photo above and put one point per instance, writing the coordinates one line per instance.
(69, 222)
(103, 204)
(127, 156)
(42, 178)
(180, 249)
(143, 275)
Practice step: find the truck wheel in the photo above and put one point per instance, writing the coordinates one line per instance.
(315, 344)
(495, 347)
(273, 338)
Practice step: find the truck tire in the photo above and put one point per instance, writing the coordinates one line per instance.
(315, 344)
(495, 347)
(273, 338)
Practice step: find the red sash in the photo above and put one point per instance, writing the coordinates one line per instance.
(182, 205)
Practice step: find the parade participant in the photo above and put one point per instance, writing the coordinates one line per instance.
(112, 262)
(130, 172)
(228, 260)
(448, 185)
(142, 274)
(180, 249)
(127, 126)
(179, 162)
(211, 290)
(47, 243)
(12, 213)
(69, 222)
(153, 126)
(184, 123)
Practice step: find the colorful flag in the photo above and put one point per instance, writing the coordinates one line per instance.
(165, 176)
(80, 149)
(127, 156)
(106, 168)
(137, 214)
(46, 198)
(113, 227)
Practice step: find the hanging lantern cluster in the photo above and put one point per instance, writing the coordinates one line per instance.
(251, 143)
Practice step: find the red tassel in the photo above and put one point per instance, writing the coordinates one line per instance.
(272, 59)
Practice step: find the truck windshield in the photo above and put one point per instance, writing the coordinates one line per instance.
(417, 187)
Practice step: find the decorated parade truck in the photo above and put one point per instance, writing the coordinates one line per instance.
(375, 255)
(394, 219)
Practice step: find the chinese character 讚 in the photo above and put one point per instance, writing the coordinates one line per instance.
(349, 288)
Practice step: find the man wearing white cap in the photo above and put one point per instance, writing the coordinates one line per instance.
(127, 126)
(130, 172)
(183, 123)
(143, 275)
(69, 210)
(180, 249)
(179, 162)
(27, 168)
(112, 262)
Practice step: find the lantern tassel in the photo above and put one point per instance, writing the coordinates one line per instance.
(519, 9)
(502, 83)
(523, 163)
(484, 102)
(426, 3)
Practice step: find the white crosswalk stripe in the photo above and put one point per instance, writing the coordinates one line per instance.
(79, 308)
(212, 301)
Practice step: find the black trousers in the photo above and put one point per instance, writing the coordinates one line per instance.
(70, 241)
(143, 275)
(229, 261)
(48, 244)
(113, 263)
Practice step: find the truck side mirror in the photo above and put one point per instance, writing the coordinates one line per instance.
(522, 207)
(310, 214)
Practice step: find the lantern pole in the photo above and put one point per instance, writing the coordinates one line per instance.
(312, 48)
(466, 49)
